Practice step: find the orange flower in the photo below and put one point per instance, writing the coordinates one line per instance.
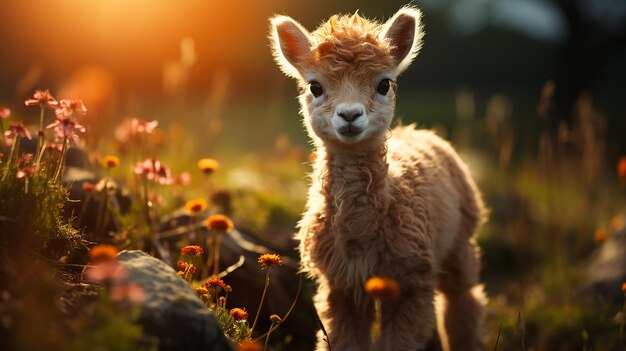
(184, 266)
(275, 318)
(181, 274)
(208, 165)
(44, 98)
(621, 168)
(191, 250)
(270, 260)
(624, 287)
(599, 235)
(239, 314)
(249, 345)
(215, 284)
(219, 222)
(201, 291)
(382, 287)
(195, 207)
(102, 252)
(110, 161)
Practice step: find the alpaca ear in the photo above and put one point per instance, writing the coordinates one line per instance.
(291, 43)
(404, 33)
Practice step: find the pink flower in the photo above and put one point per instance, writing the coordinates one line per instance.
(44, 98)
(17, 129)
(24, 166)
(125, 291)
(154, 170)
(138, 126)
(66, 127)
(68, 106)
(183, 179)
(4, 112)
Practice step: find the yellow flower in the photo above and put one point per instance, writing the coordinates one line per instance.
(382, 287)
(219, 222)
(195, 207)
(201, 291)
(270, 260)
(110, 161)
(208, 165)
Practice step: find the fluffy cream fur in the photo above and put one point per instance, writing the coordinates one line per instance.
(397, 204)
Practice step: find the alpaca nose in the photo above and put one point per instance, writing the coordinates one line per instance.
(350, 112)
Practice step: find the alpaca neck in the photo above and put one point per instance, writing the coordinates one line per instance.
(355, 188)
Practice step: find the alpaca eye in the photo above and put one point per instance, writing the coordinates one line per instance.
(383, 86)
(316, 89)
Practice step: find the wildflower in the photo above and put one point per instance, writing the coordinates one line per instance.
(599, 235)
(270, 260)
(183, 179)
(102, 252)
(208, 165)
(181, 274)
(154, 170)
(275, 318)
(54, 147)
(621, 168)
(220, 223)
(67, 107)
(107, 185)
(66, 127)
(249, 345)
(106, 270)
(110, 161)
(195, 207)
(191, 250)
(238, 314)
(618, 222)
(89, 186)
(17, 129)
(382, 287)
(43, 98)
(215, 284)
(201, 291)
(228, 288)
(186, 267)
(24, 166)
(138, 126)
(4, 112)
(131, 292)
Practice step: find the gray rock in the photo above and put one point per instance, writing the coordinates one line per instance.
(607, 271)
(171, 311)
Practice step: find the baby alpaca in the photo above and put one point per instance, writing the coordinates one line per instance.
(397, 204)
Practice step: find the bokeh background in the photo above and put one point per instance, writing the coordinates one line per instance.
(532, 93)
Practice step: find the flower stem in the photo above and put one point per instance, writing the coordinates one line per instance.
(40, 137)
(2, 139)
(14, 148)
(267, 283)
(59, 170)
(267, 338)
(376, 327)
(216, 256)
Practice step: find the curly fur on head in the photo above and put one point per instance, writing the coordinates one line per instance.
(397, 204)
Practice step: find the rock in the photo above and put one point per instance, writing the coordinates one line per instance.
(171, 311)
(607, 271)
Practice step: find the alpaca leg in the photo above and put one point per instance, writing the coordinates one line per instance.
(460, 327)
(409, 321)
(348, 324)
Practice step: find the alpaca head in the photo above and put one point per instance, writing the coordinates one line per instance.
(346, 70)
